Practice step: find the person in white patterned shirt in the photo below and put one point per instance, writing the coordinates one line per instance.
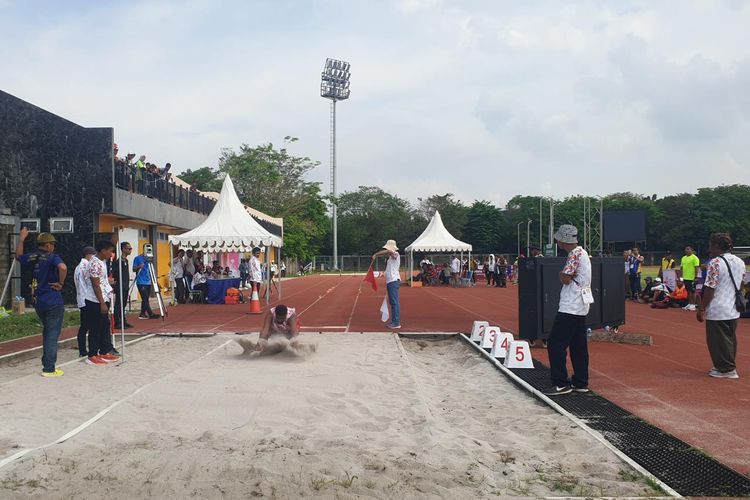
(718, 308)
(569, 328)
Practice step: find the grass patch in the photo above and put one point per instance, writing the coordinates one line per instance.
(16, 327)
(629, 476)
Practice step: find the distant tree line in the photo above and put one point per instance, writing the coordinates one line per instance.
(272, 181)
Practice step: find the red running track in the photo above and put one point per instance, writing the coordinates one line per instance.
(665, 384)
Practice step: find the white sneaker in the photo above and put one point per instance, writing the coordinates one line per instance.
(718, 374)
(690, 307)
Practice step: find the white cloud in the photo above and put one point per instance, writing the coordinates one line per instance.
(485, 99)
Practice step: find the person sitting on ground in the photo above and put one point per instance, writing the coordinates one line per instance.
(677, 298)
(647, 294)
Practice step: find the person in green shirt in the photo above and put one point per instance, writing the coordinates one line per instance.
(689, 266)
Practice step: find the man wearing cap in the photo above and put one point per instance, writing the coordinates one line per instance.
(392, 281)
(79, 278)
(569, 327)
(47, 279)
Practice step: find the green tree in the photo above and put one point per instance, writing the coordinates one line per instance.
(370, 216)
(453, 212)
(204, 179)
(484, 224)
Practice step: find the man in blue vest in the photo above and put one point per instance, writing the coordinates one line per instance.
(48, 273)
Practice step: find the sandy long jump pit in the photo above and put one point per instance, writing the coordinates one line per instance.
(362, 417)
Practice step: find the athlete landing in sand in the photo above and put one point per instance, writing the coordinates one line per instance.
(280, 332)
(279, 320)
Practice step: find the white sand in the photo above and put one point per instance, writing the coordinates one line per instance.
(440, 423)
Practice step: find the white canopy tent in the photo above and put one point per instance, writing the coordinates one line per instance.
(228, 228)
(435, 238)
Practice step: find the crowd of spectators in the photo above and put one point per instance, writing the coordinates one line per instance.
(143, 177)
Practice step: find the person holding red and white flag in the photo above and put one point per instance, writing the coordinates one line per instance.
(392, 282)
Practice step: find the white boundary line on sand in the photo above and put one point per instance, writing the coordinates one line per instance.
(87, 423)
(579, 422)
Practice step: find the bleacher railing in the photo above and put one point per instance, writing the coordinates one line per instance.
(139, 181)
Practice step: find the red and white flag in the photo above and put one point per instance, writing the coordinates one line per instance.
(384, 315)
(370, 278)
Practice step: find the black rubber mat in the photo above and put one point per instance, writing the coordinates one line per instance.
(685, 469)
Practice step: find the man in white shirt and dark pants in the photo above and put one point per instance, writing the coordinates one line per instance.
(569, 328)
(718, 307)
(392, 281)
(178, 273)
(80, 279)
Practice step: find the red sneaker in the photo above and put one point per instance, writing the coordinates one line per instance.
(95, 360)
(109, 358)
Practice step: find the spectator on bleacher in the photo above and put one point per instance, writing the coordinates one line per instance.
(667, 262)
(489, 269)
(165, 172)
(718, 306)
(689, 267)
(634, 273)
(140, 165)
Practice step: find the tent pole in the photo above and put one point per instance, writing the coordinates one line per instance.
(278, 267)
(268, 274)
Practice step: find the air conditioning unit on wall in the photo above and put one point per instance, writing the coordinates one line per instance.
(61, 225)
(32, 225)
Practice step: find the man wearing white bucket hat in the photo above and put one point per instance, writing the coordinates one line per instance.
(392, 281)
(569, 329)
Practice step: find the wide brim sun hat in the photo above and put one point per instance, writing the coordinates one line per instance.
(567, 234)
(391, 246)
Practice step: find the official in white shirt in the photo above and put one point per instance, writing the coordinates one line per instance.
(718, 306)
(392, 281)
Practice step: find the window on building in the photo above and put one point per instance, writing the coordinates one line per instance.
(143, 234)
(31, 224)
(163, 236)
(61, 225)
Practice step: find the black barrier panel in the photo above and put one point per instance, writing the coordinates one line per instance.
(624, 225)
(539, 294)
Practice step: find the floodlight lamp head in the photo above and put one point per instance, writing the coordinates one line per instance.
(334, 80)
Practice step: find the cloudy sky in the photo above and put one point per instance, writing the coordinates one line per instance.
(482, 98)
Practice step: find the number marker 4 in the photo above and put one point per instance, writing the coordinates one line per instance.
(477, 330)
(502, 345)
(519, 355)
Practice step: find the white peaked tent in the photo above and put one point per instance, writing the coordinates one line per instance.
(435, 238)
(228, 228)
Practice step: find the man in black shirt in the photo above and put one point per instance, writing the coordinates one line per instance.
(121, 275)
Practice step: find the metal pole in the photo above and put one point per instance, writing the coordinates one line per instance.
(268, 274)
(518, 231)
(601, 227)
(122, 297)
(172, 282)
(541, 243)
(528, 235)
(7, 280)
(333, 185)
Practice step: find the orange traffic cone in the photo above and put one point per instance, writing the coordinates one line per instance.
(255, 303)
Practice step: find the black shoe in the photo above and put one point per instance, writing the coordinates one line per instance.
(128, 325)
(582, 390)
(559, 390)
(115, 352)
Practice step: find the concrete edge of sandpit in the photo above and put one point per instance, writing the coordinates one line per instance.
(579, 422)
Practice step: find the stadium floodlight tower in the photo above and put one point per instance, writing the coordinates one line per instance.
(334, 85)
